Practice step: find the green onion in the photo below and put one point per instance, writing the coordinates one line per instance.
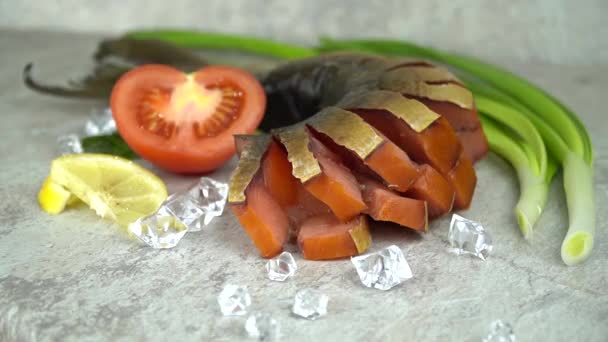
(531, 166)
(533, 186)
(553, 142)
(203, 40)
(518, 122)
(578, 184)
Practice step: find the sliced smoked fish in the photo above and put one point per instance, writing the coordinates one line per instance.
(324, 237)
(277, 176)
(463, 179)
(320, 172)
(335, 185)
(433, 188)
(426, 136)
(263, 219)
(386, 205)
(356, 142)
(466, 124)
(394, 166)
(291, 195)
(437, 145)
(475, 143)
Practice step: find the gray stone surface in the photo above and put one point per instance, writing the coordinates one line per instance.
(556, 31)
(76, 277)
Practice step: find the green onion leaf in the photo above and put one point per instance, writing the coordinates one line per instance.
(206, 40)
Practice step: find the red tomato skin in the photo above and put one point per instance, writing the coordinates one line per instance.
(186, 156)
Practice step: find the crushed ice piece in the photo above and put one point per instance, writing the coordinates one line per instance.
(469, 237)
(159, 230)
(200, 204)
(234, 300)
(262, 327)
(282, 267)
(100, 122)
(69, 143)
(500, 332)
(384, 269)
(310, 304)
(182, 212)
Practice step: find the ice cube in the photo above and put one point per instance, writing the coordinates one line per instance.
(469, 237)
(69, 143)
(384, 269)
(181, 206)
(262, 326)
(159, 230)
(500, 332)
(100, 122)
(234, 300)
(200, 204)
(281, 267)
(310, 304)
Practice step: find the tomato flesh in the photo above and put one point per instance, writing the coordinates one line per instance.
(185, 123)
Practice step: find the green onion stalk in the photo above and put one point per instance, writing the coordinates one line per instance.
(530, 163)
(493, 104)
(521, 121)
(534, 187)
(220, 41)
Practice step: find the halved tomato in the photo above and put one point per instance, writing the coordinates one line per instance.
(185, 122)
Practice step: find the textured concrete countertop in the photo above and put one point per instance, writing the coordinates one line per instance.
(76, 277)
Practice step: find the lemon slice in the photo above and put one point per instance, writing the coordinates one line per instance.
(114, 187)
(53, 198)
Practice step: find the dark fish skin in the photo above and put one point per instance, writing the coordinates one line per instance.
(298, 89)
(97, 85)
(149, 52)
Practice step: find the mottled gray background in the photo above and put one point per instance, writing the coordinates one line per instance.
(554, 31)
(74, 277)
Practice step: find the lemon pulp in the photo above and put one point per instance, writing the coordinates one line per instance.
(114, 187)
